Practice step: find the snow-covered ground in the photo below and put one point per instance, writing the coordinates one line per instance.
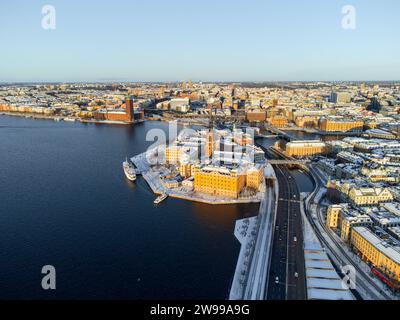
(252, 269)
(245, 232)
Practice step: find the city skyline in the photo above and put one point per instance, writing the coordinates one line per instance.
(224, 42)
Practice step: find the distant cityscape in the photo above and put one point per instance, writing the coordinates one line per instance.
(246, 143)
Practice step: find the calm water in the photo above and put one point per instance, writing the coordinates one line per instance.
(64, 201)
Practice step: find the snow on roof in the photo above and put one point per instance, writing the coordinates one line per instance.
(334, 284)
(320, 264)
(322, 294)
(321, 273)
(315, 256)
(323, 282)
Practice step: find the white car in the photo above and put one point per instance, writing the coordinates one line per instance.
(277, 280)
(296, 275)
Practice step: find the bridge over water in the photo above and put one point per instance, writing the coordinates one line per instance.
(298, 162)
(278, 132)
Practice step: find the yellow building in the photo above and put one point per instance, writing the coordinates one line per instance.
(307, 121)
(337, 219)
(173, 154)
(345, 228)
(278, 121)
(376, 251)
(305, 148)
(340, 124)
(254, 178)
(371, 124)
(343, 219)
(185, 170)
(332, 216)
(370, 196)
(219, 181)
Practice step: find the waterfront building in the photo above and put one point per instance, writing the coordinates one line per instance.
(124, 114)
(305, 148)
(307, 121)
(254, 177)
(27, 109)
(340, 124)
(219, 181)
(278, 121)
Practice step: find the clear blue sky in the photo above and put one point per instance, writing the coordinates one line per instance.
(209, 40)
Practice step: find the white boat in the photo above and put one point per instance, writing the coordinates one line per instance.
(161, 198)
(69, 119)
(129, 170)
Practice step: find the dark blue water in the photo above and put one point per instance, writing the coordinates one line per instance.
(64, 201)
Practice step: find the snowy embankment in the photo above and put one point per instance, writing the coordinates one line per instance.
(245, 232)
(252, 268)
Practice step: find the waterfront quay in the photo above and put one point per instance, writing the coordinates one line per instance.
(153, 177)
(210, 166)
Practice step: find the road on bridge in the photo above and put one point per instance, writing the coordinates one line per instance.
(287, 279)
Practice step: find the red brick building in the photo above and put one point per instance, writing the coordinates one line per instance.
(124, 114)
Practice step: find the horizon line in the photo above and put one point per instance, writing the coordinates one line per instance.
(194, 81)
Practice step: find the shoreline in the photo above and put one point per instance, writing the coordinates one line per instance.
(185, 122)
(59, 118)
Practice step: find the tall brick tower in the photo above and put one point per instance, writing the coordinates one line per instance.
(129, 109)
